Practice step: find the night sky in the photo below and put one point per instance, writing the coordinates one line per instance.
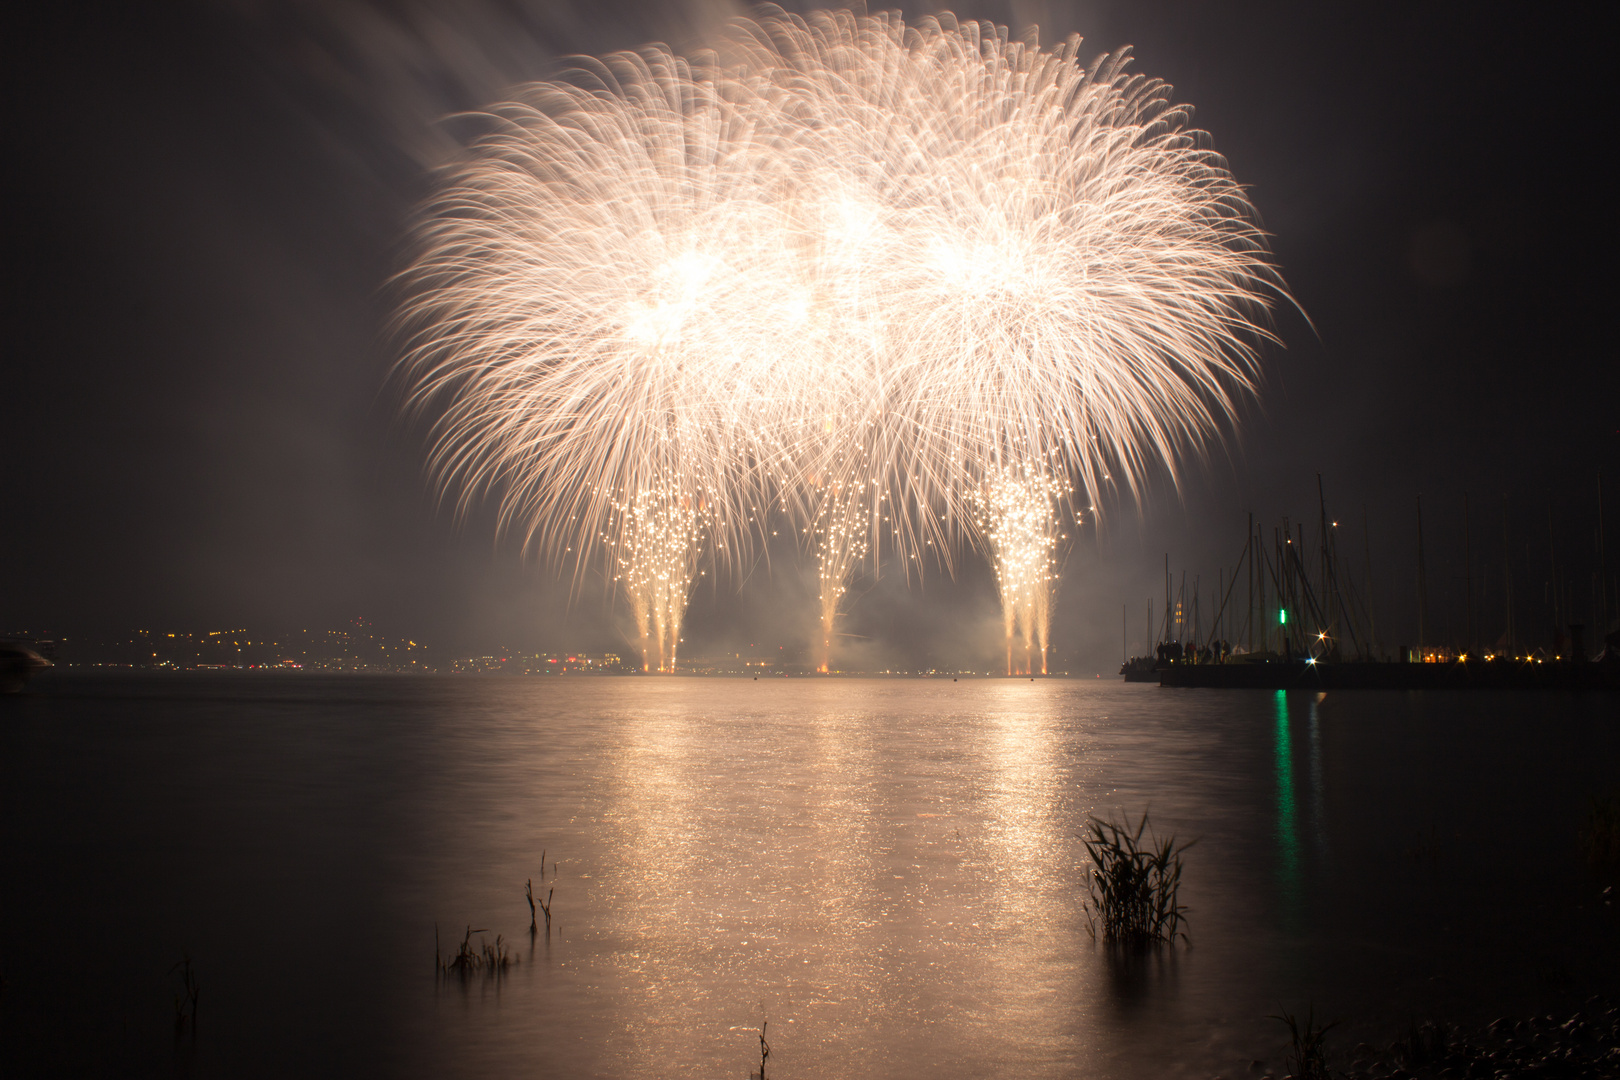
(206, 202)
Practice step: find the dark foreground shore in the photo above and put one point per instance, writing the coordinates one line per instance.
(1582, 1046)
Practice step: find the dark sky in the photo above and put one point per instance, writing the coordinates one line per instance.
(205, 203)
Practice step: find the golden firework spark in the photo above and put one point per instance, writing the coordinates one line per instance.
(841, 529)
(659, 541)
(1017, 515)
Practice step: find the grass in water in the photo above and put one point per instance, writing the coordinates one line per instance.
(185, 998)
(489, 959)
(1309, 1059)
(1133, 884)
(764, 1053)
(543, 905)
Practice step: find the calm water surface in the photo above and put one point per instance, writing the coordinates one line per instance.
(888, 870)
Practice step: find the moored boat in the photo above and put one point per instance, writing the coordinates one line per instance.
(17, 665)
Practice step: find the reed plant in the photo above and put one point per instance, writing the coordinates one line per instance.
(1423, 1044)
(764, 1053)
(491, 960)
(497, 957)
(185, 998)
(1600, 833)
(1425, 848)
(1309, 1059)
(1134, 884)
(544, 906)
(545, 909)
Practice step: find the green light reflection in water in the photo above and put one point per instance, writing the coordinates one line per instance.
(1288, 856)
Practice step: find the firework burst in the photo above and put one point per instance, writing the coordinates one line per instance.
(606, 303)
(839, 265)
(1034, 256)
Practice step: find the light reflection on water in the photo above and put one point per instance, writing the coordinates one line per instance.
(863, 892)
(1288, 870)
(890, 871)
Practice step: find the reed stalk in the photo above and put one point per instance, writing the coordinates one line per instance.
(1134, 885)
(185, 998)
(491, 960)
(1309, 1059)
(1600, 833)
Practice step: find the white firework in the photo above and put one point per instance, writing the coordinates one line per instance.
(1018, 518)
(838, 260)
(658, 542)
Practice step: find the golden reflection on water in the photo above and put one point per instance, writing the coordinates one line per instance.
(1036, 869)
(865, 894)
(889, 870)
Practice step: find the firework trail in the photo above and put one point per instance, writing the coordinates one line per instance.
(658, 544)
(861, 270)
(841, 530)
(1018, 517)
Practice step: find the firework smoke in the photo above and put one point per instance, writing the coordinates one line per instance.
(842, 266)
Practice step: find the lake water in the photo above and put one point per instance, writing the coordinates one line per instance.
(889, 870)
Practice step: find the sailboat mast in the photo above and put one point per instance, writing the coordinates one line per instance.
(1167, 596)
(1330, 612)
(1603, 562)
(1468, 582)
(1423, 586)
(1552, 569)
(1366, 549)
(1507, 580)
(1248, 557)
(1263, 622)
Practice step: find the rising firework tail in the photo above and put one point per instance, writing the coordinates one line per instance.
(657, 544)
(1017, 514)
(854, 272)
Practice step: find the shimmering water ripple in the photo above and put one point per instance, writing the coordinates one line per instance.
(889, 870)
